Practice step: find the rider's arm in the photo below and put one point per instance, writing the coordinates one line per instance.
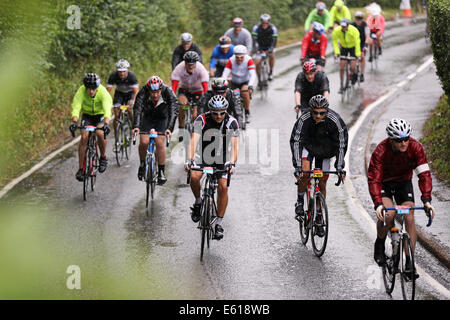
(274, 38)
(375, 175)
(176, 56)
(248, 40)
(77, 103)
(309, 19)
(137, 108)
(305, 44)
(298, 89)
(357, 41)
(342, 134)
(382, 24)
(176, 78)
(423, 172)
(252, 71)
(196, 48)
(255, 39)
(234, 127)
(106, 102)
(214, 56)
(336, 33)
(332, 16)
(199, 124)
(327, 21)
(227, 70)
(323, 46)
(205, 86)
(235, 105)
(347, 13)
(172, 102)
(297, 140)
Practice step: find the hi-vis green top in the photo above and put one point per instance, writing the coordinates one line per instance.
(348, 39)
(101, 103)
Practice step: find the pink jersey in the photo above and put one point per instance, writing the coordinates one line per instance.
(376, 23)
(240, 73)
(190, 82)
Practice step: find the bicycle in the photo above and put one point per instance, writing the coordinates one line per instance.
(316, 215)
(151, 164)
(401, 248)
(91, 160)
(123, 136)
(244, 115)
(188, 121)
(374, 50)
(264, 74)
(208, 208)
(347, 85)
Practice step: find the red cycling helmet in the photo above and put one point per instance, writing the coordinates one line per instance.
(309, 66)
(154, 83)
(238, 21)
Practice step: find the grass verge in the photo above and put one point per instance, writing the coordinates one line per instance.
(436, 140)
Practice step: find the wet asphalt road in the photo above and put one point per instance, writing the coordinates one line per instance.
(261, 256)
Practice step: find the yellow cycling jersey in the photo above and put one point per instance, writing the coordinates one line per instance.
(349, 39)
(100, 104)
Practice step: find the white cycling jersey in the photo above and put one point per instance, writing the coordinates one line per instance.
(240, 73)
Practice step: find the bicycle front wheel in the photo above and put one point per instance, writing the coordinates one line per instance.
(389, 273)
(407, 275)
(303, 222)
(204, 223)
(86, 173)
(119, 144)
(127, 138)
(93, 169)
(319, 230)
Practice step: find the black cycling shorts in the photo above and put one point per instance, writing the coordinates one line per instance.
(121, 98)
(235, 85)
(348, 51)
(194, 97)
(88, 120)
(160, 125)
(398, 191)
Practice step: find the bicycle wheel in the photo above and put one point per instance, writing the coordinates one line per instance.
(303, 223)
(188, 122)
(94, 168)
(204, 224)
(389, 271)
(148, 175)
(319, 237)
(127, 138)
(86, 166)
(154, 172)
(264, 78)
(408, 279)
(119, 143)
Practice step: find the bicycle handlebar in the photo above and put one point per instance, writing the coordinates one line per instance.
(84, 128)
(216, 171)
(429, 215)
(328, 172)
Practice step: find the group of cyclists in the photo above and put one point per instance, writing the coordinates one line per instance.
(318, 135)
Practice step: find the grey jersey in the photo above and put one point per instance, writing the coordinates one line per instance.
(244, 37)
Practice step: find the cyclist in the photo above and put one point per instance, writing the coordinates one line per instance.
(319, 14)
(346, 41)
(220, 55)
(220, 87)
(265, 36)
(319, 134)
(308, 84)
(95, 103)
(314, 45)
(337, 13)
(243, 75)
(376, 24)
(389, 178)
(156, 108)
(363, 29)
(192, 78)
(185, 46)
(240, 35)
(224, 128)
(127, 88)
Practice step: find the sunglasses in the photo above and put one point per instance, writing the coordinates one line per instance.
(215, 113)
(319, 113)
(401, 140)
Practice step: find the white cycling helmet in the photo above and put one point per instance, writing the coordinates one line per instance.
(186, 37)
(398, 128)
(240, 49)
(122, 65)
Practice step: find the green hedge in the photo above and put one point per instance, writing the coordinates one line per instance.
(439, 11)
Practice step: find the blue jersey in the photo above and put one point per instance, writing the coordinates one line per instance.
(218, 56)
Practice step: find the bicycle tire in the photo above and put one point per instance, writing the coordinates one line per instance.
(119, 143)
(388, 271)
(127, 138)
(408, 282)
(318, 248)
(303, 223)
(204, 225)
(154, 171)
(147, 179)
(95, 164)
(86, 166)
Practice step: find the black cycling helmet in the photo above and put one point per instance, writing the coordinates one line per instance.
(219, 85)
(224, 41)
(91, 81)
(318, 102)
(191, 57)
(218, 103)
